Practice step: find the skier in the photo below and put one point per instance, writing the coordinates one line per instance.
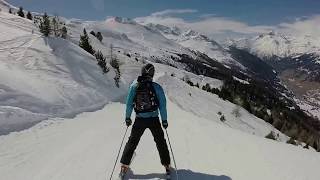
(147, 98)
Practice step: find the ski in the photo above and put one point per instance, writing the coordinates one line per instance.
(123, 172)
(168, 174)
(122, 175)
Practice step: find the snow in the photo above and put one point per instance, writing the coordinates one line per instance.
(277, 44)
(46, 77)
(55, 78)
(197, 42)
(75, 113)
(311, 108)
(240, 80)
(85, 147)
(207, 105)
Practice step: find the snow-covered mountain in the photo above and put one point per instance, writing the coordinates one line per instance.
(295, 58)
(276, 44)
(198, 42)
(54, 81)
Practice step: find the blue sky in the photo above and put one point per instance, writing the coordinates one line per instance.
(252, 12)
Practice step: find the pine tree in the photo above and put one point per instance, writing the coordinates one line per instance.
(64, 32)
(45, 28)
(20, 12)
(99, 36)
(116, 65)
(55, 27)
(102, 61)
(85, 44)
(10, 10)
(29, 15)
(93, 33)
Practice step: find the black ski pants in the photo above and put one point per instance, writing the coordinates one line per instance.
(139, 126)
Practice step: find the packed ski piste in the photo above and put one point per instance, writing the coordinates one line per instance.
(143, 99)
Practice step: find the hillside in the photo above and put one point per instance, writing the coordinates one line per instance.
(46, 77)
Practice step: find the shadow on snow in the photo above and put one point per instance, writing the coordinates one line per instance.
(183, 174)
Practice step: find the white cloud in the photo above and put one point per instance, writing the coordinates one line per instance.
(207, 24)
(221, 27)
(307, 25)
(173, 11)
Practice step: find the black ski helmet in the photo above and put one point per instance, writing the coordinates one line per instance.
(147, 70)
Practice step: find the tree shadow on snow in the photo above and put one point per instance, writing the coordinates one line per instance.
(183, 174)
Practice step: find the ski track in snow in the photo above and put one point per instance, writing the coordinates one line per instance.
(85, 148)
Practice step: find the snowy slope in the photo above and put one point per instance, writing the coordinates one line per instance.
(46, 77)
(85, 148)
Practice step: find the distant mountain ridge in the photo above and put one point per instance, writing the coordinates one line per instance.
(295, 58)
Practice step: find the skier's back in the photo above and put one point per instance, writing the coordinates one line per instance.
(147, 98)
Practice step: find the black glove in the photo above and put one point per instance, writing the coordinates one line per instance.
(165, 124)
(128, 121)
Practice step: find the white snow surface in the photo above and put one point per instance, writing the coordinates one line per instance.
(241, 80)
(85, 148)
(46, 77)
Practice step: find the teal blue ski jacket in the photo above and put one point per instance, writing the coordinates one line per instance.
(161, 98)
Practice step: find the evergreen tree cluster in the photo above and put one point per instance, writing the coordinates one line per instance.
(271, 107)
(102, 61)
(29, 15)
(21, 13)
(45, 27)
(114, 62)
(53, 26)
(85, 43)
(98, 35)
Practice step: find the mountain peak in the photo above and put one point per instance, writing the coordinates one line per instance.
(165, 29)
(190, 32)
(121, 20)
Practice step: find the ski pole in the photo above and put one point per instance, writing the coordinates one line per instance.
(174, 161)
(115, 163)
